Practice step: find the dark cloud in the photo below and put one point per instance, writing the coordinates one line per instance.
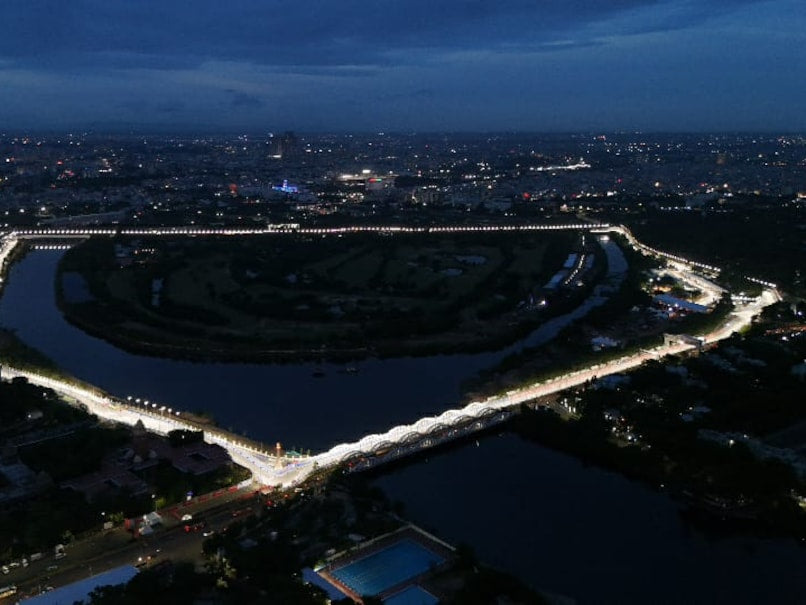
(410, 64)
(169, 108)
(154, 34)
(242, 100)
(410, 95)
(332, 71)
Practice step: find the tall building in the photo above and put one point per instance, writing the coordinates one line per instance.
(284, 145)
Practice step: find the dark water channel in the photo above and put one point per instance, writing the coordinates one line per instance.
(555, 523)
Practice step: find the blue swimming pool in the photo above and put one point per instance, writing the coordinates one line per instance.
(388, 567)
(413, 595)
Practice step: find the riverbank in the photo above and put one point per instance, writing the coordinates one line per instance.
(245, 352)
(65, 474)
(576, 529)
(763, 506)
(554, 498)
(394, 309)
(700, 427)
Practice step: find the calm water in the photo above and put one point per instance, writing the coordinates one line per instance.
(587, 533)
(271, 402)
(75, 288)
(282, 402)
(558, 525)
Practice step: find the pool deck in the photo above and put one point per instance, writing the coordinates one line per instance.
(375, 545)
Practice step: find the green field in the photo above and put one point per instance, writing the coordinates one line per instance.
(365, 293)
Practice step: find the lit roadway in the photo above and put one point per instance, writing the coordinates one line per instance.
(263, 464)
(289, 228)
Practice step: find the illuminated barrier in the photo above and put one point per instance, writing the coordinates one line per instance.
(402, 439)
(294, 228)
(396, 442)
(378, 448)
(259, 462)
(52, 246)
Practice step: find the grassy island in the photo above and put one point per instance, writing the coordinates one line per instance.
(292, 297)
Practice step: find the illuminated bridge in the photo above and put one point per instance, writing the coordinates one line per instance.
(433, 430)
(396, 442)
(268, 469)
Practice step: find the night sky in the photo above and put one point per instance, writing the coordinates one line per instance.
(424, 65)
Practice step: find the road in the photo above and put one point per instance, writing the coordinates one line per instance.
(106, 550)
(264, 465)
(114, 548)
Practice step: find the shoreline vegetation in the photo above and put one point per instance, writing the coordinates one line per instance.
(570, 349)
(718, 488)
(16, 353)
(482, 295)
(586, 439)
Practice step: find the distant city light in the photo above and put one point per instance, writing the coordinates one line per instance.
(286, 188)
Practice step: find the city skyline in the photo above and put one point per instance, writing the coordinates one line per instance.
(721, 65)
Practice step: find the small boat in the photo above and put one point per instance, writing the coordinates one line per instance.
(318, 373)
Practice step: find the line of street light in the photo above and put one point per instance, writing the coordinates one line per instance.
(263, 464)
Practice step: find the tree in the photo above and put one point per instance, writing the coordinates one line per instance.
(182, 437)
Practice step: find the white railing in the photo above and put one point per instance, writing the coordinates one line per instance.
(264, 465)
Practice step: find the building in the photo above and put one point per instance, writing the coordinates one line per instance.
(78, 591)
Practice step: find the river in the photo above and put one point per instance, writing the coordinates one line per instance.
(557, 524)
(270, 402)
(587, 533)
